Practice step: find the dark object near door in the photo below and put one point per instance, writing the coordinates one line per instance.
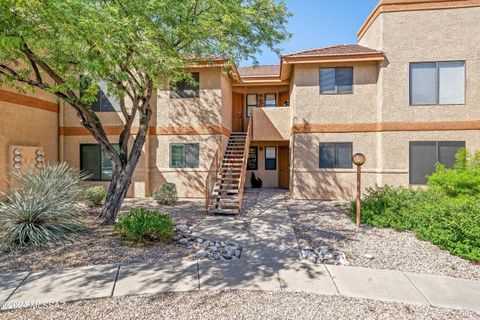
(256, 182)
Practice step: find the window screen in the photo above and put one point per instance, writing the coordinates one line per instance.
(184, 155)
(425, 154)
(336, 80)
(335, 155)
(270, 158)
(252, 163)
(437, 83)
(186, 88)
(452, 82)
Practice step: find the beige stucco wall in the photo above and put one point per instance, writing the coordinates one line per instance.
(311, 182)
(259, 90)
(205, 110)
(269, 177)
(272, 124)
(212, 108)
(71, 154)
(312, 107)
(416, 36)
(190, 181)
(26, 126)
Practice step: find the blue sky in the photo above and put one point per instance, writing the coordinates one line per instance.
(320, 23)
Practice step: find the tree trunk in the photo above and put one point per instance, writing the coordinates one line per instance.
(123, 172)
(115, 196)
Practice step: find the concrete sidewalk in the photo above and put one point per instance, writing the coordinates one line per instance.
(273, 263)
(43, 288)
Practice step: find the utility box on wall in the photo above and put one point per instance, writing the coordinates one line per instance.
(26, 157)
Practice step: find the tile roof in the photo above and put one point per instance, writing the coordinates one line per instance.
(338, 50)
(259, 71)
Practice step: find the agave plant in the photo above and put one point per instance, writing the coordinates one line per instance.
(43, 210)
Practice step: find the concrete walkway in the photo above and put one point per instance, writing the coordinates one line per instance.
(272, 264)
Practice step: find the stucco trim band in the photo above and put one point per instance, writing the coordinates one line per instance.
(24, 100)
(386, 126)
(385, 6)
(117, 130)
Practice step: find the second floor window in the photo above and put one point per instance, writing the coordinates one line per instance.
(252, 103)
(96, 162)
(437, 83)
(184, 155)
(186, 88)
(336, 80)
(270, 100)
(103, 102)
(336, 155)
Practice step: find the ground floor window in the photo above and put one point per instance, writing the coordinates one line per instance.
(252, 163)
(184, 155)
(96, 162)
(335, 155)
(270, 158)
(425, 154)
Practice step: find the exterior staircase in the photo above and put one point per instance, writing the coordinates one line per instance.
(227, 193)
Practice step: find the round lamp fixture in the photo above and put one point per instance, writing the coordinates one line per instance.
(358, 159)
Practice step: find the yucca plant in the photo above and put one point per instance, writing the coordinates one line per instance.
(43, 209)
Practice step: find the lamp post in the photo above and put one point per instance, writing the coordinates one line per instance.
(358, 159)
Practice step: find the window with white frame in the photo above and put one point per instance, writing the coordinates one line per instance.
(437, 83)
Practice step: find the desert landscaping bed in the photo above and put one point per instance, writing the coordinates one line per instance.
(320, 224)
(237, 305)
(101, 245)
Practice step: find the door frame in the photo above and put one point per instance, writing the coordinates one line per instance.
(283, 151)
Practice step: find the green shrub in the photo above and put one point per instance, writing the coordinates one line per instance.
(166, 194)
(95, 195)
(462, 179)
(43, 209)
(452, 223)
(144, 225)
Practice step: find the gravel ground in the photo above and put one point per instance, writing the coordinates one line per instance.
(101, 245)
(327, 224)
(237, 305)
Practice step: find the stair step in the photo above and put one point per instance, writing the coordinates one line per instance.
(224, 202)
(237, 158)
(223, 196)
(226, 212)
(232, 164)
(234, 191)
(228, 179)
(227, 184)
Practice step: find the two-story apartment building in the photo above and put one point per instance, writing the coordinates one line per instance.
(407, 96)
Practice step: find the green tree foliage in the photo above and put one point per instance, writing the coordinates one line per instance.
(61, 46)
